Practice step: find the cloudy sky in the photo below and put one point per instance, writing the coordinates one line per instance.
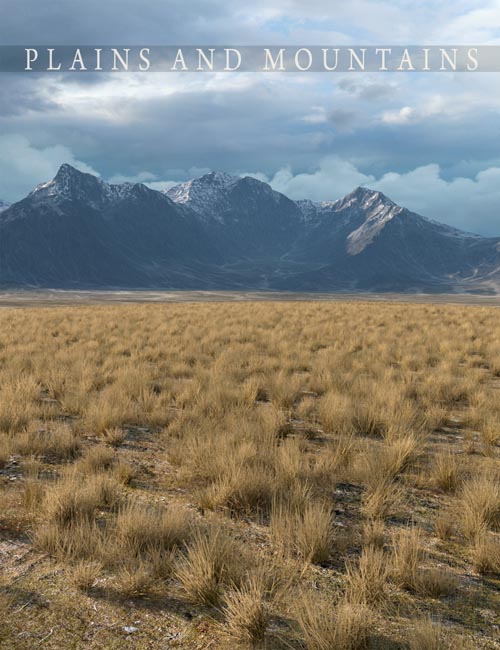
(430, 141)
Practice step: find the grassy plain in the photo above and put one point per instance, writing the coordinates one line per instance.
(281, 475)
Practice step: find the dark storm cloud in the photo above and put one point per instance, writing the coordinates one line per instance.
(61, 22)
(256, 124)
(19, 95)
(342, 119)
(369, 90)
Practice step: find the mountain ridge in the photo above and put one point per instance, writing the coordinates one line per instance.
(220, 231)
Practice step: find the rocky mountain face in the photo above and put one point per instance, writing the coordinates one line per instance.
(248, 218)
(3, 205)
(226, 232)
(366, 242)
(76, 231)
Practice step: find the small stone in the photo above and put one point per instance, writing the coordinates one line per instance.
(130, 629)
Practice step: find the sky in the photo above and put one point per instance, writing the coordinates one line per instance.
(429, 141)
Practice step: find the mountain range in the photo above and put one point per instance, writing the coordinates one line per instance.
(227, 232)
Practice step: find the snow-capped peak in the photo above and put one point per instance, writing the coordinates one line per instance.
(310, 209)
(71, 184)
(68, 183)
(361, 197)
(379, 210)
(200, 193)
(211, 196)
(214, 181)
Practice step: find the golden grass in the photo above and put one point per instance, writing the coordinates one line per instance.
(436, 583)
(83, 575)
(307, 532)
(58, 444)
(134, 579)
(80, 540)
(427, 636)
(170, 452)
(5, 449)
(246, 612)
(479, 505)
(142, 528)
(374, 533)
(407, 554)
(366, 579)
(486, 553)
(114, 436)
(345, 626)
(72, 498)
(446, 471)
(213, 560)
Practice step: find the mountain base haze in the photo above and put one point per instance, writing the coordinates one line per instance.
(223, 232)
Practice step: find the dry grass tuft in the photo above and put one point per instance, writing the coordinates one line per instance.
(96, 459)
(70, 500)
(382, 500)
(114, 436)
(336, 413)
(436, 583)
(5, 449)
(141, 528)
(307, 532)
(345, 626)
(479, 505)
(406, 556)
(84, 575)
(59, 443)
(213, 561)
(246, 614)
(366, 580)
(134, 580)
(446, 472)
(486, 553)
(374, 533)
(427, 636)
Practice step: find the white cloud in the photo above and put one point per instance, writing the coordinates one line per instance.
(479, 25)
(469, 203)
(403, 116)
(332, 179)
(317, 115)
(451, 107)
(149, 179)
(472, 204)
(23, 166)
